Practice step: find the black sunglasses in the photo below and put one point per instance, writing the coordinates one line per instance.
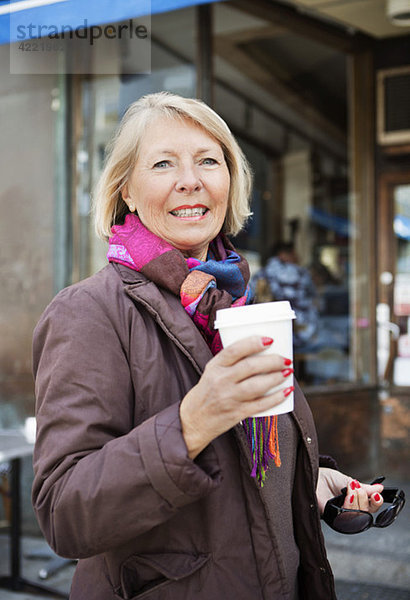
(348, 520)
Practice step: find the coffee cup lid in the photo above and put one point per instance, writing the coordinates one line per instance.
(254, 313)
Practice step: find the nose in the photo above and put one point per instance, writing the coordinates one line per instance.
(188, 180)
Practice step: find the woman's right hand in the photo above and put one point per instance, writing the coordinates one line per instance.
(232, 388)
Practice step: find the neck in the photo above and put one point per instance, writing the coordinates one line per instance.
(199, 255)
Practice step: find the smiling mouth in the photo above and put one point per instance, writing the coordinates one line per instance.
(197, 211)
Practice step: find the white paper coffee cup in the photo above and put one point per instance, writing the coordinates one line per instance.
(269, 319)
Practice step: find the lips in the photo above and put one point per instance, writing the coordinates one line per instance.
(189, 211)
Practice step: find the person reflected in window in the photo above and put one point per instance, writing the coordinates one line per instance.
(284, 279)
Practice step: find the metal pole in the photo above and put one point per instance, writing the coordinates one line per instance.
(15, 524)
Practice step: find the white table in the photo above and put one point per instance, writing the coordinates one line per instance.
(13, 447)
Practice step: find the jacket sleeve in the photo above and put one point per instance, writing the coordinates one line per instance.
(100, 482)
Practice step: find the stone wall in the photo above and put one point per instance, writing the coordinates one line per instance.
(348, 426)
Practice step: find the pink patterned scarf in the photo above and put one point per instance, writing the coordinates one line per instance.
(203, 287)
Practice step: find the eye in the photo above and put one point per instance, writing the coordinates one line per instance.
(162, 164)
(209, 161)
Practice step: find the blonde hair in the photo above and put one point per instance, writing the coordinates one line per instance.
(108, 204)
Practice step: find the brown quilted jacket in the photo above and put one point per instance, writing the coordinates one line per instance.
(113, 357)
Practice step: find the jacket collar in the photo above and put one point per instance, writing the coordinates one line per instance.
(169, 314)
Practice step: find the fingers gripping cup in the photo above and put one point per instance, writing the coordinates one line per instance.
(271, 319)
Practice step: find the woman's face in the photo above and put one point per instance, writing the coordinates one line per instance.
(180, 185)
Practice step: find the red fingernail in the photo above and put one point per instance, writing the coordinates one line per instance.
(287, 372)
(352, 485)
(267, 341)
(357, 484)
(351, 499)
(287, 362)
(288, 391)
(377, 497)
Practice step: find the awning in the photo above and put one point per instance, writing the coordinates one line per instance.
(333, 222)
(401, 226)
(28, 19)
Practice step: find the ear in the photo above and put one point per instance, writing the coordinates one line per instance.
(125, 193)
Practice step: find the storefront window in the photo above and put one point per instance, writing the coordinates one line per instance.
(285, 99)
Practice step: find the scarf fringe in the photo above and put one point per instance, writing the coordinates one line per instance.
(262, 437)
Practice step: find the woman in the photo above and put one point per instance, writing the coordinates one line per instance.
(143, 468)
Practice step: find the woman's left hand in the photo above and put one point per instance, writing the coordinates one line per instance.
(360, 496)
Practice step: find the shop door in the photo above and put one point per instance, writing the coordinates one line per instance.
(393, 309)
(393, 316)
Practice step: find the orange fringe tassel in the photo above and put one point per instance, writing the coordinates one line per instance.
(274, 441)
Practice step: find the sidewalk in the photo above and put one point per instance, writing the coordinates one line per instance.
(374, 565)
(30, 568)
